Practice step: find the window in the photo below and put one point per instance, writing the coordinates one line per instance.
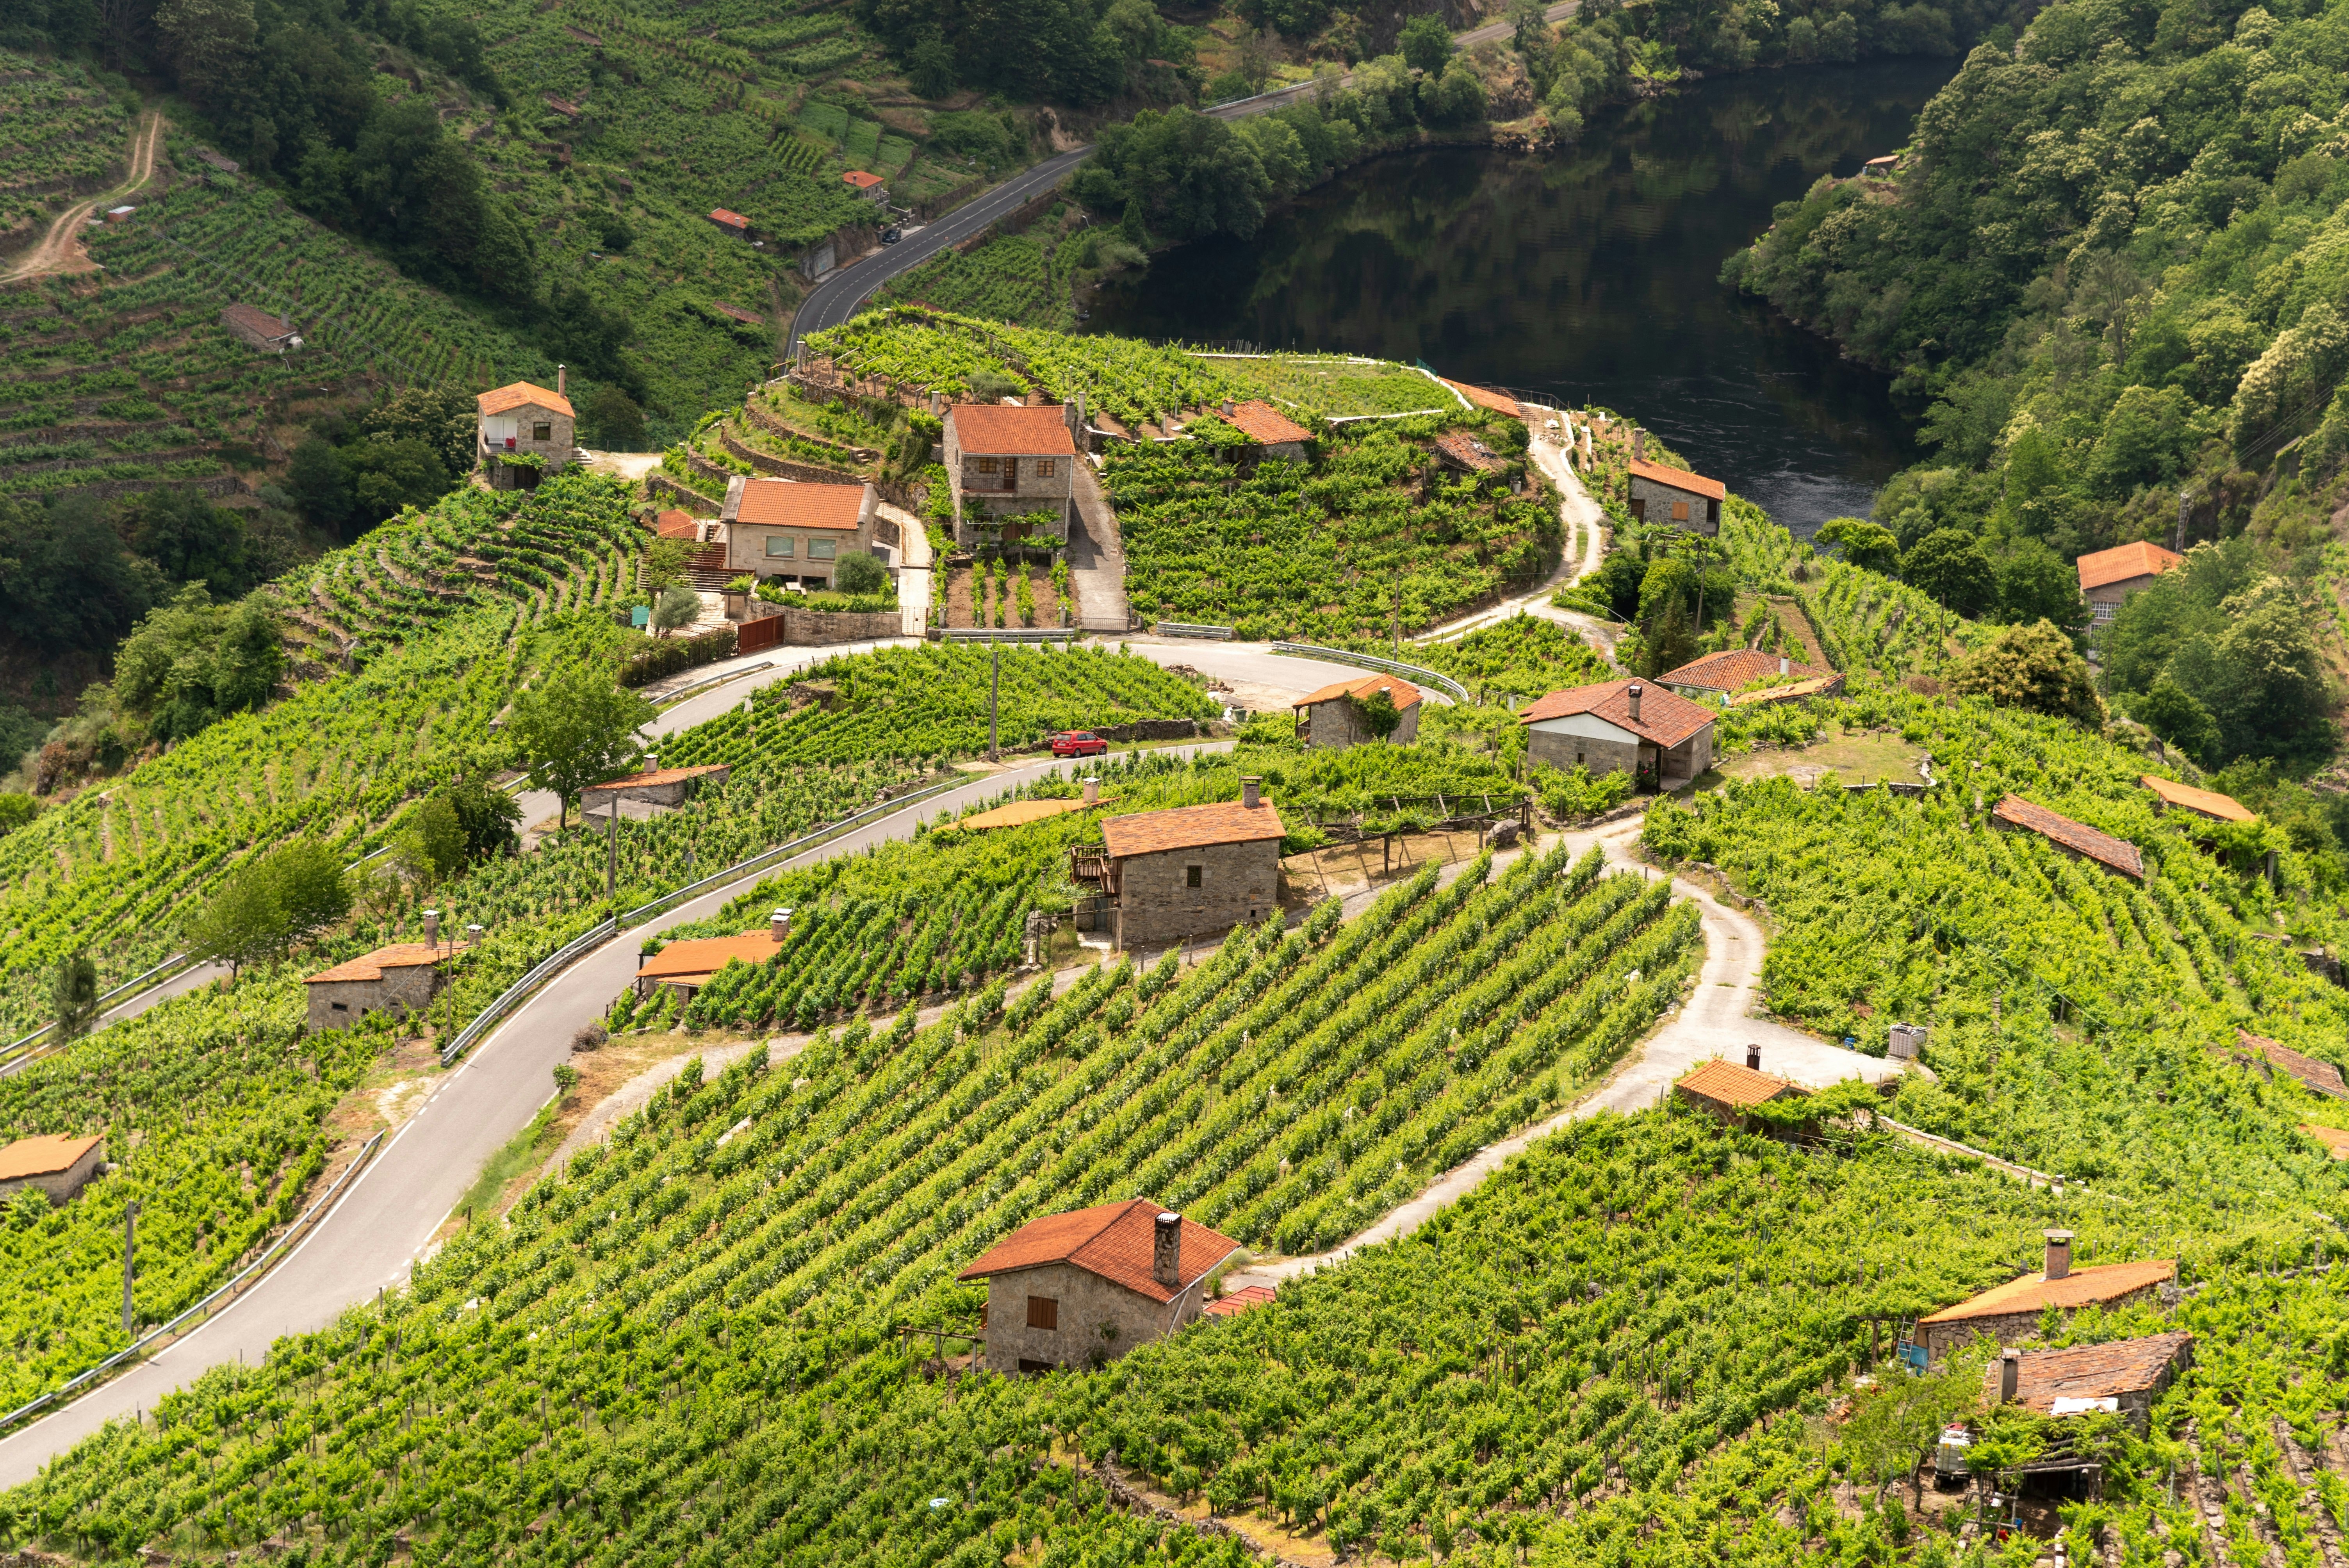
(1191, 875)
(1046, 468)
(340, 1006)
(1680, 511)
(990, 465)
(1578, 758)
(1043, 1312)
(779, 547)
(821, 549)
(542, 431)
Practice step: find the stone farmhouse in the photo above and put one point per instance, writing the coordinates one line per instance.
(2016, 814)
(795, 532)
(2124, 1376)
(270, 334)
(1684, 500)
(1717, 678)
(52, 1163)
(870, 186)
(2107, 577)
(523, 433)
(404, 976)
(1164, 876)
(684, 967)
(1011, 462)
(1332, 718)
(2011, 1312)
(1084, 1287)
(1621, 726)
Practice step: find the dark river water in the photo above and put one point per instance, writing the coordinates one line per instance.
(1588, 274)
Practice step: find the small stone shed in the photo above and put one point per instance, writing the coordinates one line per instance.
(2011, 1312)
(1621, 726)
(2205, 803)
(1716, 678)
(270, 334)
(1084, 1287)
(1332, 718)
(1273, 433)
(2131, 1374)
(2107, 577)
(2321, 1077)
(51, 1163)
(520, 420)
(2016, 814)
(405, 975)
(660, 787)
(1676, 496)
(1164, 876)
(1726, 1091)
(684, 967)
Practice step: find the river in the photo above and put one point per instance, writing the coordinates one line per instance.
(1588, 274)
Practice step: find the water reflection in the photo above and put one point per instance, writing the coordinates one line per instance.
(1588, 274)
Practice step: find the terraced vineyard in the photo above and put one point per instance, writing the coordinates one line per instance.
(67, 137)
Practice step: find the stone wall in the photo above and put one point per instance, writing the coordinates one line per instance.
(1157, 905)
(2006, 1328)
(1599, 756)
(783, 468)
(660, 487)
(1338, 724)
(339, 1003)
(814, 628)
(1098, 1319)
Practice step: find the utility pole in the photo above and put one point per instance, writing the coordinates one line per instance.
(130, 1262)
(612, 860)
(2178, 542)
(994, 692)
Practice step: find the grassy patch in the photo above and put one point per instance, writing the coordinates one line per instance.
(520, 1157)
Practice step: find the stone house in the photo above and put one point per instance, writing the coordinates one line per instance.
(52, 1163)
(2124, 1376)
(730, 221)
(2011, 1312)
(1716, 678)
(2016, 814)
(2109, 576)
(270, 334)
(524, 421)
(684, 967)
(670, 786)
(791, 530)
(1164, 876)
(1333, 717)
(2318, 1076)
(1084, 1287)
(1464, 454)
(1621, 726)
(2206, 803)
(1684, 500)
(1273, 433)
(1008, 461)
(405, 975)
(871, 187)
(1726, 1091)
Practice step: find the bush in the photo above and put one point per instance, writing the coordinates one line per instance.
(668, 658)
(1579, 793)
(860, 573)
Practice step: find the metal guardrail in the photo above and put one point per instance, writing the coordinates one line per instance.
(610, 926)
(1413, 673)
(681, 693)
(1185, 629)
(137, 983)
(317, 1207)
(1008, 633)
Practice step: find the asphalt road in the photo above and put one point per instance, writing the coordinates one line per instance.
(843, 293)
(389, 1214)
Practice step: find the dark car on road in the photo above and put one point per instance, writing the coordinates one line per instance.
(1080, 743)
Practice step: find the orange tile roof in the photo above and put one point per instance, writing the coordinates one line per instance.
(1816, 686)
(1678, 479)
(2317, 1074)
(2203, 802)
(257, 320)
(1190, 827)
(1112, 1240)
(861, 179)
(790, 503)
(522, 395)
(1000, 430)
(2081, 1287)
(658, 776)
(708, 955)
(399, 956)
(1666, 717)
(2103, 848)
(1469, 452)
(1019, 812)
(1405, 694)
(676, 524)
(1485, 397)
(1241, 1300)
(1734, 1084)
(47, 1155)
(2107, 567)
(730, 219)
(2333, 1137)
(1261, 422)
(1732, 669)
(2094, 1371)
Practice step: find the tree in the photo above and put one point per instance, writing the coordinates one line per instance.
(189, 539)
(1889, 1427)
(860, 573)
(614, 419)
(486, 816)
(75, 996)
(1425, 43)
(2173, 713)
(270, 903)
(65, 580)
(1950, 566)
(208, 41)
(388, 474)
(2035, 583)
(1378, 713)
(438, 837)
(674, 607)
(192, 663)
(931, 65)
(664, 564)
(2033, 667)
(320, 482)
(574, 728)
(1863, 543)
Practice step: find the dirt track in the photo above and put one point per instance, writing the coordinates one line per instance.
(61, 250)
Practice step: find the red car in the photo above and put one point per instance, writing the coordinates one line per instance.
(1080, 743)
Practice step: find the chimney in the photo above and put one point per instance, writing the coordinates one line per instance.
(2059, 1253)
(1093, 791)
(2010, 1376)
(285, 321)
(431, 928)
(1782, 664)
(1166, 1251)
(1228, 407)
(1639, 445)
(1634, 695)
(558, 382)
(779, 924)
(1249, 786)
(1754, 1057)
